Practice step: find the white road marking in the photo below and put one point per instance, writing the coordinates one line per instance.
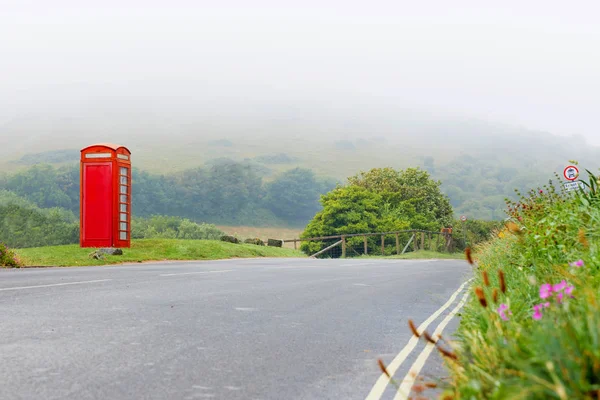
(360, 284)
(199, 272)
(415, 369)
(245, 309)
(381, 384)
(53, 284)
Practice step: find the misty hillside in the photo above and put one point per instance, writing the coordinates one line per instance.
(479, 163)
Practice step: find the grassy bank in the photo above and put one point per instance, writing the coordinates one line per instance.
(150, 250)
(532, 327)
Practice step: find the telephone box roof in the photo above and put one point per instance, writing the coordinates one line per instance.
(111, 146)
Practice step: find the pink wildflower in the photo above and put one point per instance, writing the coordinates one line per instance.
(502, 311)
(537, 314)
(559, 297)
(578, 263)
(545, 291)
(569, 290)
(559, 286)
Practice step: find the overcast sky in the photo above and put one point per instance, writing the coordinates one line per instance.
(530, 63)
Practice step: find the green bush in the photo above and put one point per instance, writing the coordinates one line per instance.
(255, 241)
(8, 258)
(22, 224)
(380, 200)
(229, 239)
(539, 338)
(164, 227)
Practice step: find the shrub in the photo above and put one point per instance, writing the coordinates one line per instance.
(255, 241)
(164, 227)
(8, 258)
(229, 239)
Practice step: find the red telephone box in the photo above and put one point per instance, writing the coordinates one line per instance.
(105, 208)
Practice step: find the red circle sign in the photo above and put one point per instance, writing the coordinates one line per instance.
(463, 218)
(571, 173)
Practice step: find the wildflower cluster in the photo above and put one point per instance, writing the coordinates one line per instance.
(8, 258)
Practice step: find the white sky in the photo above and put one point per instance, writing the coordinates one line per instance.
(532, 63)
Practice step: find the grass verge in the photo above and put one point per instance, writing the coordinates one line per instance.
(532, 328)
(150, 250)
(421, 255)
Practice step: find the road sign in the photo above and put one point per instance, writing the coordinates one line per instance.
(571, 173)
(463, 218)
(569, 186)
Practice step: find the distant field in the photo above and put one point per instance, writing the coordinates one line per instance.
(245, 232)
(150, 250)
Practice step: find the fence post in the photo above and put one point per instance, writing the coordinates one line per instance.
(343, 246)
(415, 244)
(383, 245)
(422, 240)
(429, 240)
(295, 244)
(437, 242)
(366, 245)
(397, 243)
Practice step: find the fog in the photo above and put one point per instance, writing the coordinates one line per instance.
(161, 64)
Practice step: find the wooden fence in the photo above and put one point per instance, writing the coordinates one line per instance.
(420, 240)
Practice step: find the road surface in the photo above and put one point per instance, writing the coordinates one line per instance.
(235, 329)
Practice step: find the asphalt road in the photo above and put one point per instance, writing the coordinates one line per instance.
(236, 329)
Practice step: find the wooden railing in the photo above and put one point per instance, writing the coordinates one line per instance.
(414, 239)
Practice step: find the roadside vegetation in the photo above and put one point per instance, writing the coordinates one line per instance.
(147, 250)
(423, 255)
(387, 200)
(532, 327)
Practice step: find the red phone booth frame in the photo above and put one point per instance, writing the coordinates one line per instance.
(105, 196)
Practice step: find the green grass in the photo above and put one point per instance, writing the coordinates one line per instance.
(422, 255)
(527, 355)
(150, 250)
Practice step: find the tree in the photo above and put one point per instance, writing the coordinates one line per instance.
(380, 200)
(412, 186)
(294, 195)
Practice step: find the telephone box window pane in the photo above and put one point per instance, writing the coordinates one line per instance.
(123, 235)
(123, 217)
(123, 198)
(124, 189)
(123, 180)
(123, 208)
(97, 155)
(123, 156)
(123, 171)
(123, 226)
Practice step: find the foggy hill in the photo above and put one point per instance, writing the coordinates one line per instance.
(479, 162)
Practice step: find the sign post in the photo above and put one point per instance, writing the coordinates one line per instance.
(464, 228)
(571, 173)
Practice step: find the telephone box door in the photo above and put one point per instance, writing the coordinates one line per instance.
(97, 204)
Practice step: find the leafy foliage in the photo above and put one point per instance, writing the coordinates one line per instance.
(547, 346)
(172, 228)
(381, 200)
(25, 225)
(294, 195)
(409, 192)
(227, 193)
(8, 258)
